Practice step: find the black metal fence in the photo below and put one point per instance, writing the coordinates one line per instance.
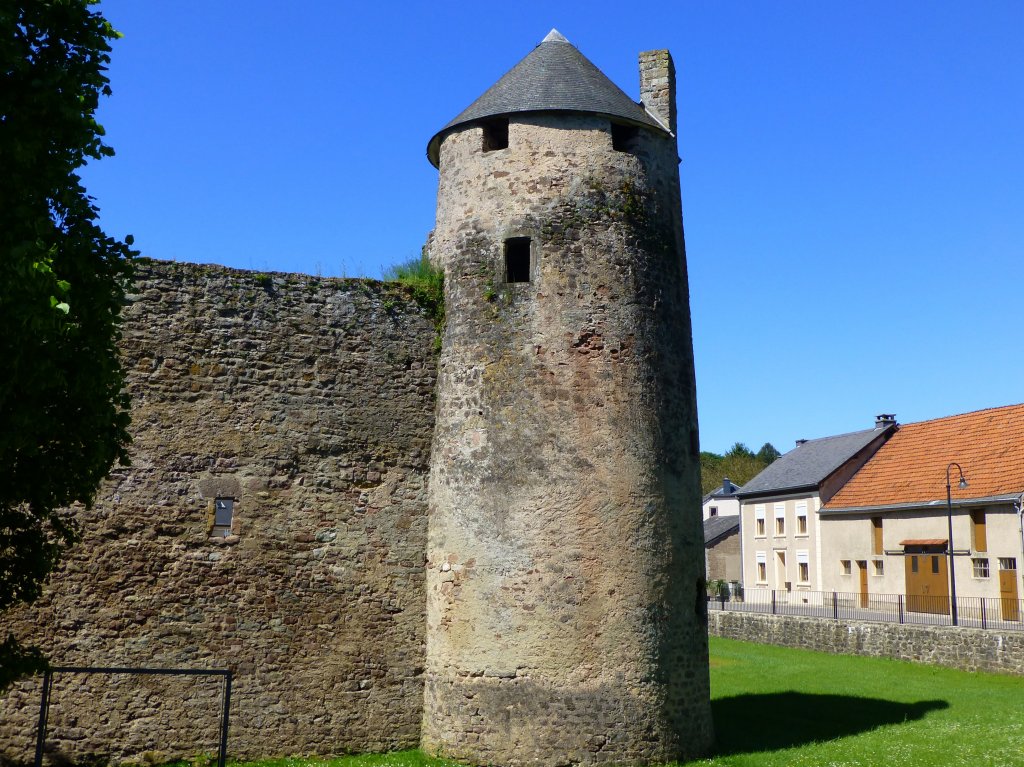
(973, 612)
(44, 703)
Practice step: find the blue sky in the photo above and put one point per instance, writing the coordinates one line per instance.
(852, 175)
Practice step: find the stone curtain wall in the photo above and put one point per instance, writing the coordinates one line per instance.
(310, 402)
(961, 648)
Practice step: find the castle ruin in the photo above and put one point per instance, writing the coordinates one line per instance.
(494, 553)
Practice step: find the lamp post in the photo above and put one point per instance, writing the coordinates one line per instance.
(949, 543)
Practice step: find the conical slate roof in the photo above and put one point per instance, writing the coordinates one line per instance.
(554, 77)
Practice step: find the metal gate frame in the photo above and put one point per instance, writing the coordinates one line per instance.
(44, 703)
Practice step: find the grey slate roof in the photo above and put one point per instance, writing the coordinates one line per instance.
(811, 463)
(716, 528)
(719, 492)
(555, 76)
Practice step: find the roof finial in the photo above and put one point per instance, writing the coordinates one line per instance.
(554, 36)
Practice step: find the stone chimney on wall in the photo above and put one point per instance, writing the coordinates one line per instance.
(658, 86)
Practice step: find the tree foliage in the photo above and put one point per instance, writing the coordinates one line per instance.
(767, 454)
(63, 411)
(740, 464)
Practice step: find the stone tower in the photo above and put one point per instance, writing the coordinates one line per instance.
(565, 594)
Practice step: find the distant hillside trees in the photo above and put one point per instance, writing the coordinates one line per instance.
(740, 464)
(767, 453)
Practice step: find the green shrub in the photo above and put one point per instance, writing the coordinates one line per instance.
(425, 282)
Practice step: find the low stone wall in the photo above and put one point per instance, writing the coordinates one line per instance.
(309, 402)
(961, 648)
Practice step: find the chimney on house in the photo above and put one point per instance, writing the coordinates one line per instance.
(885, 419)
(800, 442)
(726, 486)
(658, 87)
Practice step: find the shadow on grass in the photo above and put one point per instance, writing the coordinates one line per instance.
(772, 721)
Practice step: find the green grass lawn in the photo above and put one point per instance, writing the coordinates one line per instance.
(776, 706)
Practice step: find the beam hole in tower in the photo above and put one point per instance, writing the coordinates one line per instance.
(624, 137)
(495, 134)
(517, 259)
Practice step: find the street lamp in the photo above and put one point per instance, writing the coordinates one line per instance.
(949, 544)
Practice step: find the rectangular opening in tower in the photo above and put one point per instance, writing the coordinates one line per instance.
(623, 137)
(223, 513)
(495, 134)
(517, 259)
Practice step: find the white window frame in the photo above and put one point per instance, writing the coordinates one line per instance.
(975, 561)
(760, 531)
(801, 511)
(846, 567)
(878, 568)
(803, 558)
(779, 514)
(761, 562)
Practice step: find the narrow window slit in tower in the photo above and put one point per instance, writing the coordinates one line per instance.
(517, 259)
(623, 137)
(495, 134)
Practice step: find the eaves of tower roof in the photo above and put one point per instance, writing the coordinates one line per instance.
(554, 77)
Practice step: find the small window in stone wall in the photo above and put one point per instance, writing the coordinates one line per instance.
(495, 134)
(223, 516)
(624, 137)
(517, 259)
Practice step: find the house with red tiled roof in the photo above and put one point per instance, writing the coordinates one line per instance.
(886, 531)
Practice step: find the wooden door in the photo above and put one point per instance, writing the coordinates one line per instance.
(1008, 598)
(979, 530)
(876, 536)
(927, 582)
(862, 568)
(781, 573)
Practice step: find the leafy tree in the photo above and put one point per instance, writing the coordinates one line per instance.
(740, 464)
(739, 450)
(711, 473)
(767, 454)
(63, 411)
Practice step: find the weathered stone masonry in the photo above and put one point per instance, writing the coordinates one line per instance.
(310, 402)
(564, 580)
(554, 611)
